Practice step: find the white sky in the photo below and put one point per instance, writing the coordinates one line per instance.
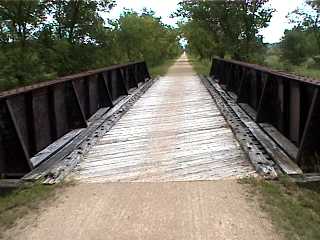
(164, 8)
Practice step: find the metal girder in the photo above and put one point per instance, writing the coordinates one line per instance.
(33, 117)
(288, 102)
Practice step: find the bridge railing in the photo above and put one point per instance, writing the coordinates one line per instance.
(288, 102)
(33, 117)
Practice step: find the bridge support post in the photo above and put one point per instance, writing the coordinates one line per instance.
(309, 147)
(14, 157)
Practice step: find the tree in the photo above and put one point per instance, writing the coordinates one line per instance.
(144, 36)
(77, 21)
(303, 41)
(200, 41)
(233, 25)
(297, 45)
(19, 18)
(18, 23)
(42, 39)
(308, 19)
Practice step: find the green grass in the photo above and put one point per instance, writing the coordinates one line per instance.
(294, 208)
(308, 72)
(17, 203)
(201, 67)
(274, 62)
(161, 69)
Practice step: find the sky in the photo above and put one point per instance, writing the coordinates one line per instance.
(164, 8)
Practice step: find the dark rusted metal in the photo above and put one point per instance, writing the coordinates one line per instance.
(288, 102)
(33, 117)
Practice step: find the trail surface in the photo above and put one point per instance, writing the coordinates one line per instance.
(175, 132)
(151, 177)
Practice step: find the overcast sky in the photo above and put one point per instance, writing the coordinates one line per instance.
(164, 8)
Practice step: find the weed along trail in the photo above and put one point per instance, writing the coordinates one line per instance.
(168, 169)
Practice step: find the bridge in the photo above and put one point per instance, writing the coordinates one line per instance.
(173, 133)
(118, 124)
(145, 153)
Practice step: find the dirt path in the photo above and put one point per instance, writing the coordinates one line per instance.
(178, 210)
(156, 199)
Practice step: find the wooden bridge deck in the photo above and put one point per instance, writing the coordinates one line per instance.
(174, 132)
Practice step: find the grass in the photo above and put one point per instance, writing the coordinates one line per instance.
(274, 62)
(294, 208)
(161, 69)
(17, 203)
(202, 67)
(308, 72)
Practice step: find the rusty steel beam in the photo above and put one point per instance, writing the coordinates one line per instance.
(288, 102)
(33, 117)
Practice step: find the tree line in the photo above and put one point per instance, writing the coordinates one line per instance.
(232, 29)
(224, 28)
(302, 43)
(43, 39)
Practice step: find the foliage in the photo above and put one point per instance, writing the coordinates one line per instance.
(303, 41)
(200, 40)
(78, 21)
(19, 18)
(16, 203)
(162, 69)
(297, 45)
(294, 208)
(42, 39)
(300, 46)
(232, 27)
(308, 18)
(275, 60)
(201, 66)
(143, 36)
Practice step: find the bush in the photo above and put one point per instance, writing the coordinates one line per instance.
(297, 46)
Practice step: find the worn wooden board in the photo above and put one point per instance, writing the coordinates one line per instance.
(66, 153)
(280, 157)
(285, 143)
(54, 147)
(175, 132)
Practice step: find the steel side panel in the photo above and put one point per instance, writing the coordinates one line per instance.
(294, 112)
(41, 119)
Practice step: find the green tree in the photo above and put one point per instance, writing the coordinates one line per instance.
(303, 41)
(297, 45)
(144, 36)
(18, 22)
(19, 19)
(78, 21)
(42, 39)
(233, 25)
(200, 41)
(308, 20)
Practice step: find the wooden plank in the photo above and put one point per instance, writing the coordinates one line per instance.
(277, 136)
(57, 166)
(249, 110)
(54, 147)
(307, 178)
(278, 155)
(174, 132)
(258, 156)
(7, 184)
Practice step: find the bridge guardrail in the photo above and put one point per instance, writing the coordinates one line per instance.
(288, 102)
(33, 117)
